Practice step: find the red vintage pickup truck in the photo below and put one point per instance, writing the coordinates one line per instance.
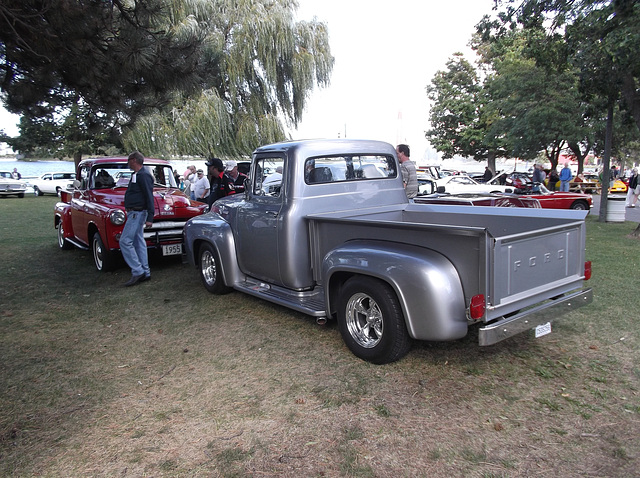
(93, 215)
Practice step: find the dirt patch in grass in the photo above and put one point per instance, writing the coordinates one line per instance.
(164, 379)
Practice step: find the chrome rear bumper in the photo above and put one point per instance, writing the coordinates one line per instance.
(530, 318)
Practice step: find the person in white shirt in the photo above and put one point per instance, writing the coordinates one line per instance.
(201, 187)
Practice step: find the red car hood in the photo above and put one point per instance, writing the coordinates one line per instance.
(168, 201)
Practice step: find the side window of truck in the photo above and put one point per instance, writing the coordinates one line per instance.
(329, 169)
(267, 176)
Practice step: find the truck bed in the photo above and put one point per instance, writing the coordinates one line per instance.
(537, 253)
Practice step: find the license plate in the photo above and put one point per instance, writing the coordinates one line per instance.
(171, 249)
(543, 329)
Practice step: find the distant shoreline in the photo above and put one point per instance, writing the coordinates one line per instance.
(13, 157)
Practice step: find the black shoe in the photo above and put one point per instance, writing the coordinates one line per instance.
(145, 278)
(134, 280)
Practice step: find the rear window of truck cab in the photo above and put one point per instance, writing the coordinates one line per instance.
(329, 169)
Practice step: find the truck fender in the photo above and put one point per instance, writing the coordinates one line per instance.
(426, 283)
(218, 233)
(62, 213)
(62, 218)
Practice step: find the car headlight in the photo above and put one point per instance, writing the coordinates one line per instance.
(117, 217)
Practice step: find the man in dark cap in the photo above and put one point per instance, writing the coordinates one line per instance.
(221, 185)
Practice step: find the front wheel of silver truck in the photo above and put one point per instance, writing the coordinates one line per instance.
(371, 321)
(210, 270)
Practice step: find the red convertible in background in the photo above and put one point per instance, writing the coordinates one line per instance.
(556, 200)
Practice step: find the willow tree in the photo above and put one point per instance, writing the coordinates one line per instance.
(265, 66)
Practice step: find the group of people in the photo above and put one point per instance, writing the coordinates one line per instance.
(221, 180)
(565, 176)
(410, 179)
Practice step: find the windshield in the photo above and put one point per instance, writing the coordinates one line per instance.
(542, 188)
(119, 175)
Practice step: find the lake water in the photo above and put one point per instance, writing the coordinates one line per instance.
(36, 168)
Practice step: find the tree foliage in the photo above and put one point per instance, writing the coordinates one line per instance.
(219, 72)
(267, 65)
(527, 102)
(603, 40)
(460, 121)
(539, 103)
(108, 60)
(550, 72)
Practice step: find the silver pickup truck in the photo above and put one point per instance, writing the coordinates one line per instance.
(325, 228)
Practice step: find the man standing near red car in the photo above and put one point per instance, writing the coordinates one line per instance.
(138, 203)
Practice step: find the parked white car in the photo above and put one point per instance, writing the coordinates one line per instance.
(10, 186)
(464, 184)
(53, 183)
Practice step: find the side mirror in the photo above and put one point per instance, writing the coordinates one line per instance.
(76, 184)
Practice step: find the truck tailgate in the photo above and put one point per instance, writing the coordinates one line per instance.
(529, 265)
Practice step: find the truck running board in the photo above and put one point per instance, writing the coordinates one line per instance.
(76, 243)
(307, 302)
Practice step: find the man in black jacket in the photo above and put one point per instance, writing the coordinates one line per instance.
(221, 184)
(138, 203)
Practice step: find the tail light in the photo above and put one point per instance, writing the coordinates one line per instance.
(587, 270)
(477, 307)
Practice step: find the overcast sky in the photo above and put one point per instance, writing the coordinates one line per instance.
(386, 53)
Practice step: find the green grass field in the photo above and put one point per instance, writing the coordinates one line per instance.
(164, 379)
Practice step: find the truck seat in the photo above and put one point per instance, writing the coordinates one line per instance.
(320, 175)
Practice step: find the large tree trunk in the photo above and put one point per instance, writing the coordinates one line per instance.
(608, 139)
(575, 148)
(491, 161)
(631, 95)
(554, 155)
(77, 157)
